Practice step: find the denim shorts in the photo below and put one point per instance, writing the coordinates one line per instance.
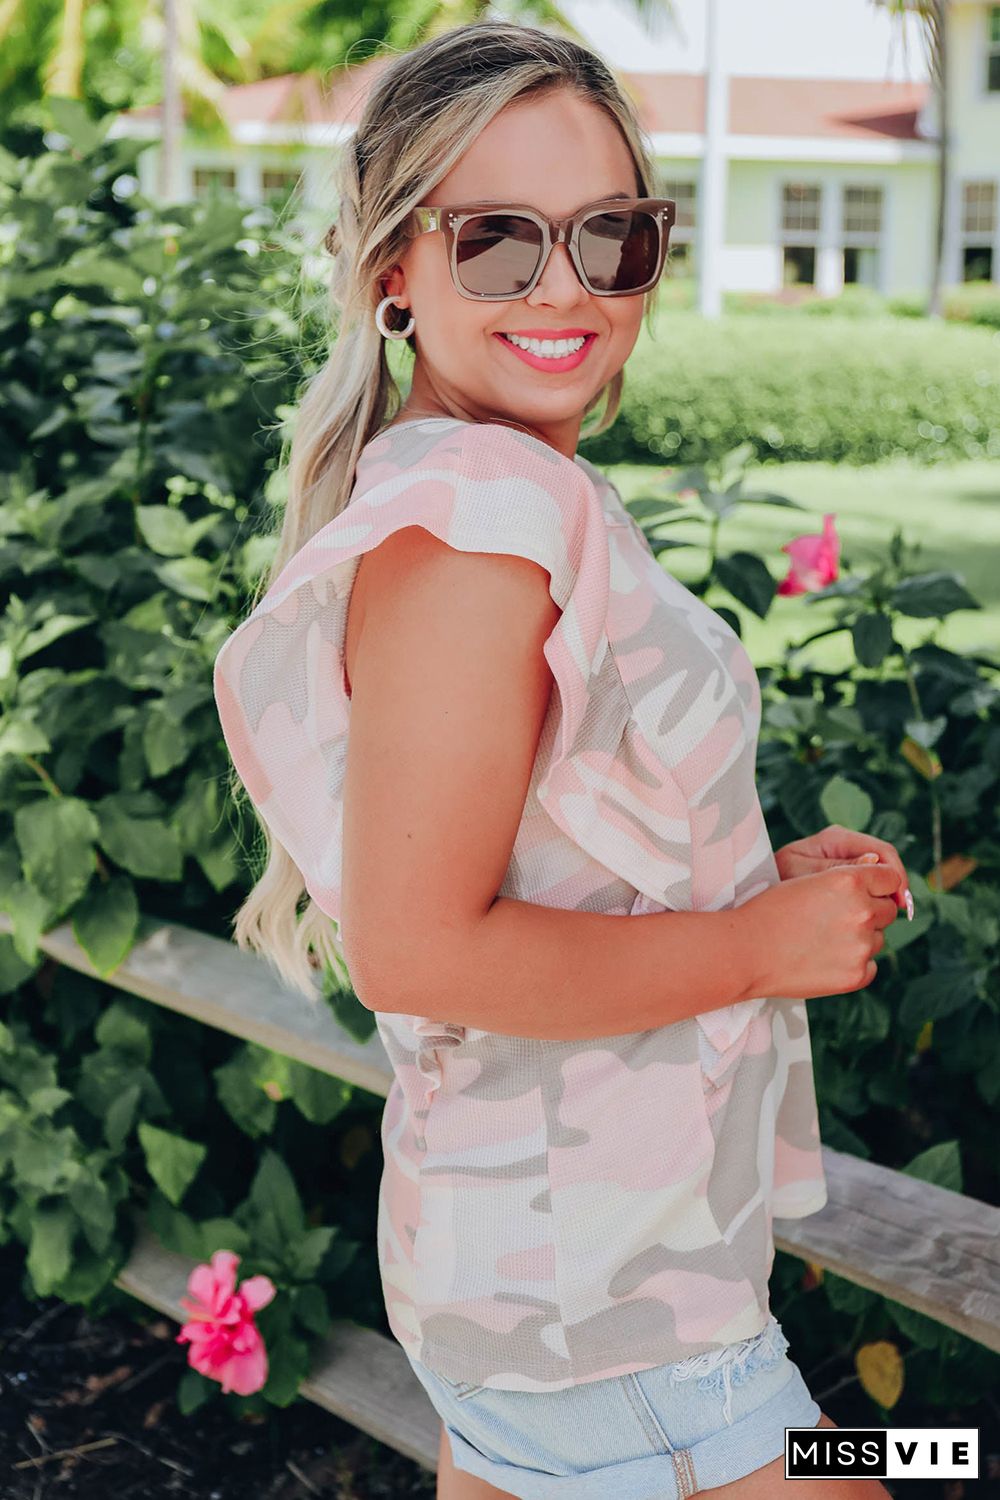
(658, 1434)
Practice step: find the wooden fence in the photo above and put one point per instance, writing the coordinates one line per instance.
(923, 1246)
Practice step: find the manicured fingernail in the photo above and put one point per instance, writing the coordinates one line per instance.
(909, 904)
(870, 858)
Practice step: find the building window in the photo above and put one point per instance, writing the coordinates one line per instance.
(979, 222)
(861, 231)
(278, 182)
(862, 211)
(680, 258)
(800, 209)
(207, 180)
(800, 220)
(993, 52)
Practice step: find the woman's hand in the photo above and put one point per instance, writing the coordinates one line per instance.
(835, 845)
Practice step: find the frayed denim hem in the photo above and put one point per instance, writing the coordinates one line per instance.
(718, 1370)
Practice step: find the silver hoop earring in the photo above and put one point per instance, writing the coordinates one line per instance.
(392, 333)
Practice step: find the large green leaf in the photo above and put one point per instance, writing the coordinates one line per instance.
(49, 1251)
(45, 1159)
(94, 1205)
(932, 594)
(106, 921)
(169, 532)
(241, 1095)
(305, 1254)
(120, 1117)
(939, 993)
(845, 802)
(56, 836)
(172, 1162)
(165, 742)
(126, 1027)
(273, 1194)
(748, 579)
(320, 1097)
(872, 636)
(194, 1390)
(145, 846)
(288, 1366)
(194, 577)
(940, 1164)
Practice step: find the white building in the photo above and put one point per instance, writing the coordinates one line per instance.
(829, 147)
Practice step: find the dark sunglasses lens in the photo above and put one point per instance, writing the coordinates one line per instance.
(497, 253)
(620, 250)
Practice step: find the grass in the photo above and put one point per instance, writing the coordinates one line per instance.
(951, 511)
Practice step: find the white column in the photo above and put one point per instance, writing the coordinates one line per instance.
(247, 177)
(714, 167)
(170, 185)
(829, 251)
(886, 238)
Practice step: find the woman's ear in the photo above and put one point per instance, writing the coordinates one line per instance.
(393, 284)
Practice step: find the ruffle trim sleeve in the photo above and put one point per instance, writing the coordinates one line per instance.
(279, 678)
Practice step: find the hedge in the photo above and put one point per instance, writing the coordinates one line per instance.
(849, 391)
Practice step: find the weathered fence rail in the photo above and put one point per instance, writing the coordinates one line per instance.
(925, 1247)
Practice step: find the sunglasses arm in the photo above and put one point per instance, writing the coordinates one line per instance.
(425, 219)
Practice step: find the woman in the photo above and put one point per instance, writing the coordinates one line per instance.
(593, 1119)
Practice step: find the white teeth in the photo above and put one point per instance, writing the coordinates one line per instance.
(547, 348)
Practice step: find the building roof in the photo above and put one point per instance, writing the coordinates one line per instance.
(292, 98)
(812, 107)
(850, 108)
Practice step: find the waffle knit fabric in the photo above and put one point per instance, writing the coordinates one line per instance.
(555, 1212)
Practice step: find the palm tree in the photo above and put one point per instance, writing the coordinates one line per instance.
(934, 17)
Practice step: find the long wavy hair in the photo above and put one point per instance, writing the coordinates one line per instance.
(423, 112)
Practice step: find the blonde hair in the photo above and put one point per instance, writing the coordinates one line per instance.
(422, 114)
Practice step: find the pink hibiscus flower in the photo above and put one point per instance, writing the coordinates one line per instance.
(814, 560)
(226, 1344)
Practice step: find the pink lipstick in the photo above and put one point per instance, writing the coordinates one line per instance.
(539, 361)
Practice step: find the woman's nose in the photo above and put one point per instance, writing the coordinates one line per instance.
(559, 271)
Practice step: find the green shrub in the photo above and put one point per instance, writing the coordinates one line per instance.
(852, 302)
(907, 305)
(971, 302)
(803, 388)
(905, 747)
(974, 302)
(146, 359)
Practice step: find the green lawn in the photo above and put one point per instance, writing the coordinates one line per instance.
(951, 511)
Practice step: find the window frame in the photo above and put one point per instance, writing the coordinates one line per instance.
(974, 239)
(991, 51)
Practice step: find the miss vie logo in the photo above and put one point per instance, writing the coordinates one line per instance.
(882, 1452)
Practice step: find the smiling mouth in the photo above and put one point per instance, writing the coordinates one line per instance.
(561, 353)
(577, 336)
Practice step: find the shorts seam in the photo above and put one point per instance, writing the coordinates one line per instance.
(647, 1416)
(461, 1389)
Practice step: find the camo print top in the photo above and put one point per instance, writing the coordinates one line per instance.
(555, 1212)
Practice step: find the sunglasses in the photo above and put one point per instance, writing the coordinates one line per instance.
(497, 252)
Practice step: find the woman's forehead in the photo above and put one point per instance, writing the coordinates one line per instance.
(574, 157)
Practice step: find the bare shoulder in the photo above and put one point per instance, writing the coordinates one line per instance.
(413, 563)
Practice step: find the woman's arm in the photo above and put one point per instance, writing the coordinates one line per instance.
(449, 692)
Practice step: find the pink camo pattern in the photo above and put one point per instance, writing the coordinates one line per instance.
(555, 1212)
